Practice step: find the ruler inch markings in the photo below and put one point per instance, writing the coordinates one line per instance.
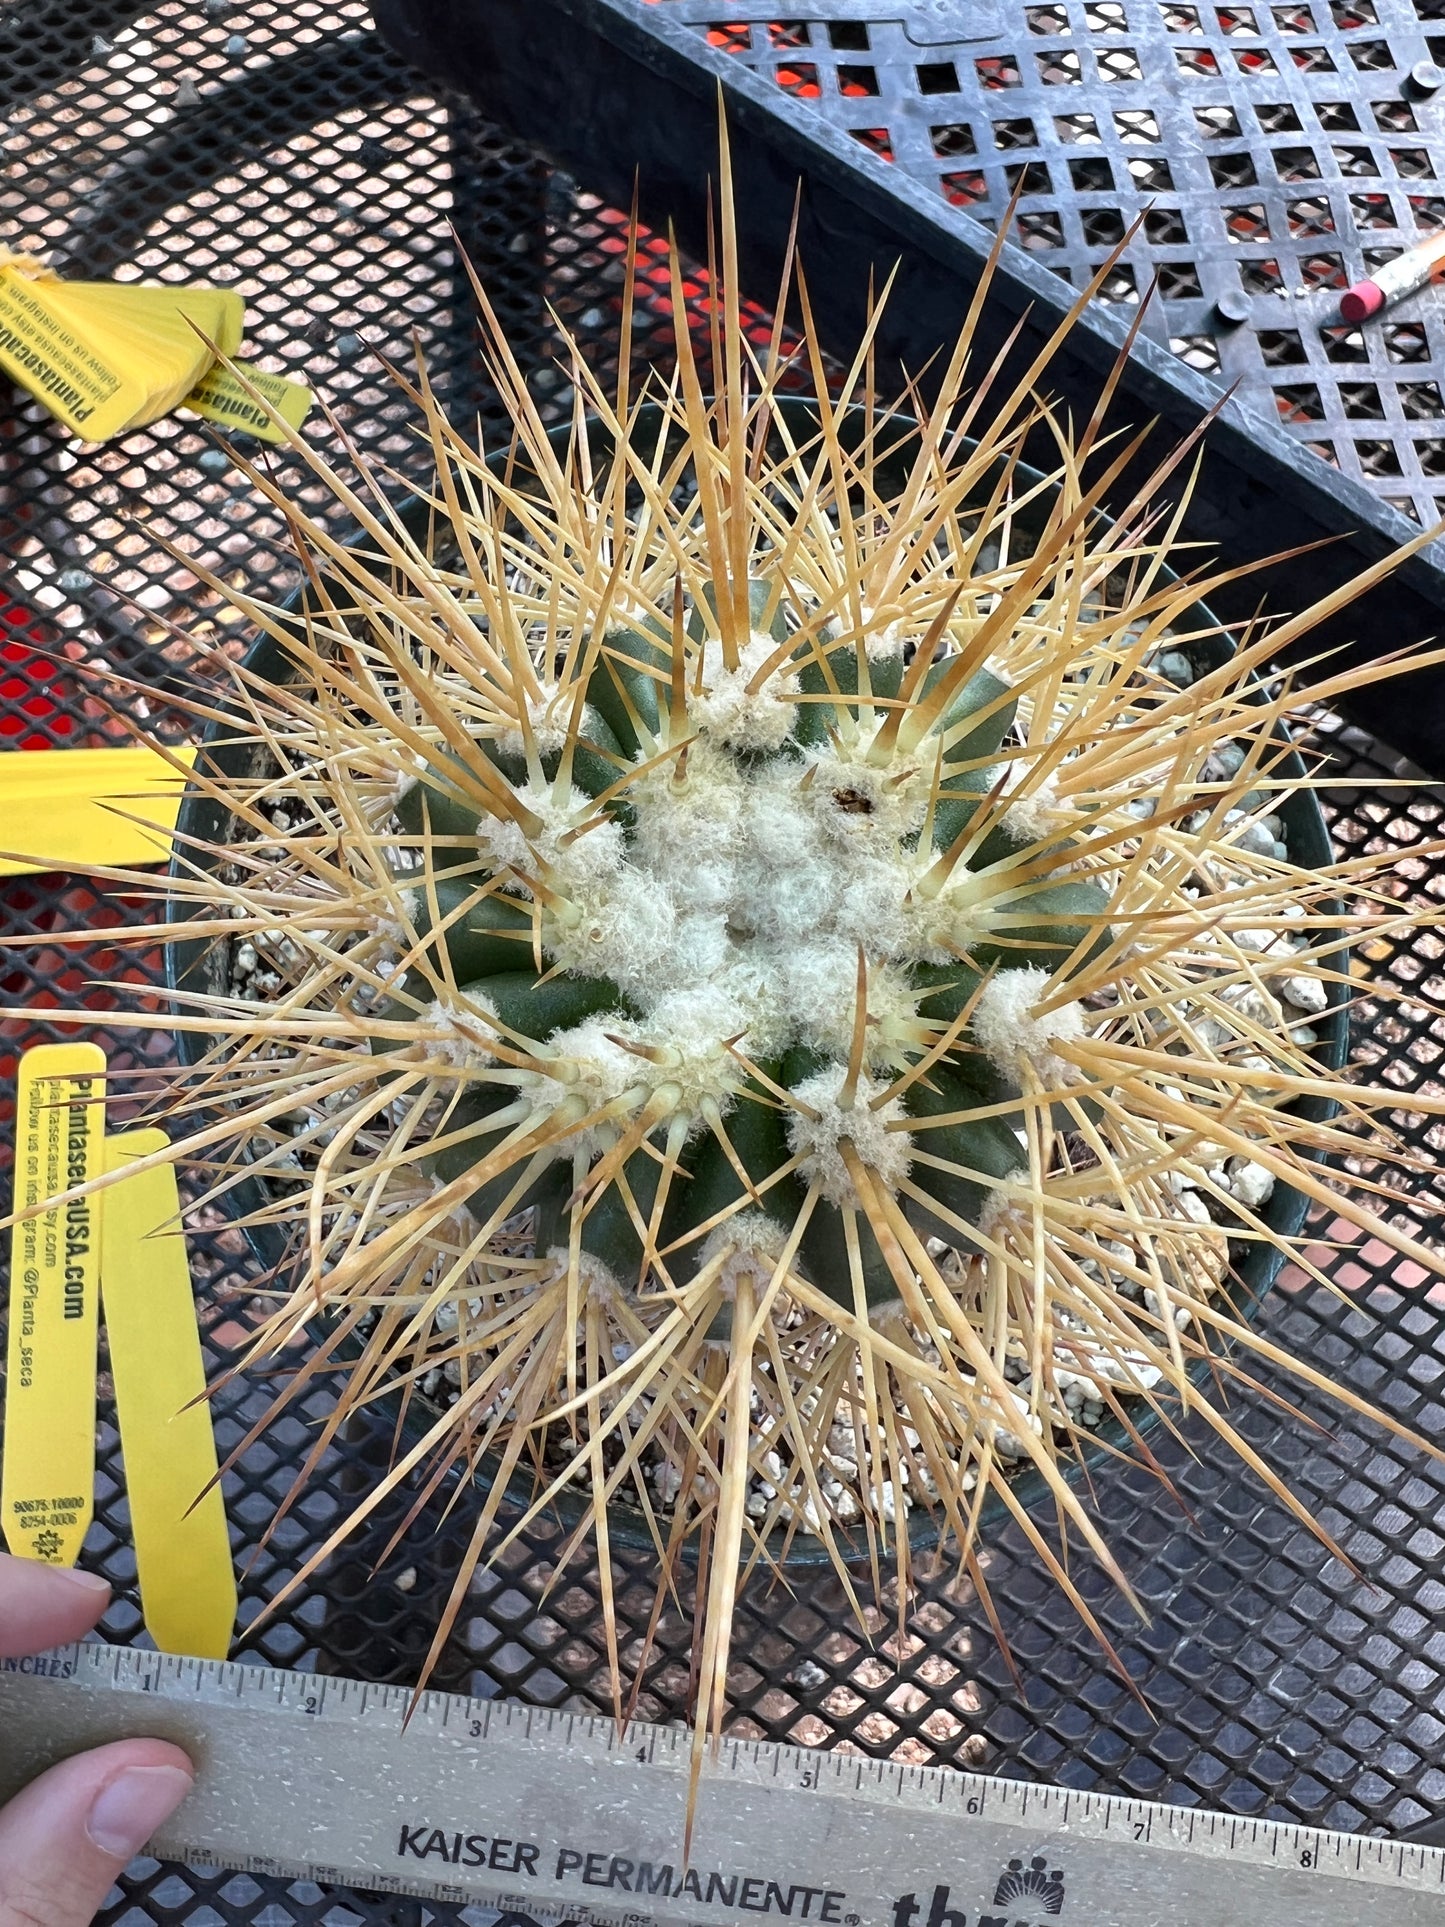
(560, 1815)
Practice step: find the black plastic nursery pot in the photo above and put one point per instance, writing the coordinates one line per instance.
(203, 965)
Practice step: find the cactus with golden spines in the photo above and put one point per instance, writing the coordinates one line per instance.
(768, 978)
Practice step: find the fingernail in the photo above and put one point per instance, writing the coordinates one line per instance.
(90, 1581)
(128, 1810)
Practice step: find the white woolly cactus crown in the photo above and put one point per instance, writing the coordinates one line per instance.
(770, 988)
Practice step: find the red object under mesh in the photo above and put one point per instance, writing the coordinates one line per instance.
(34, 688)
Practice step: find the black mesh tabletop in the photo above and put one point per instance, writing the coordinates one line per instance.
(1270, 154)
(280, 148)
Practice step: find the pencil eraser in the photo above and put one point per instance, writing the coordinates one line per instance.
(1361, 301)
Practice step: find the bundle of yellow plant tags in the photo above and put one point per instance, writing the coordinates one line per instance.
(109, 356)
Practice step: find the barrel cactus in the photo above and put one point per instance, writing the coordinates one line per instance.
(789, 919)
(755, 951)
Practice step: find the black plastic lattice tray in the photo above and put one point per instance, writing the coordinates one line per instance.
(1272, 153)
(280, 147)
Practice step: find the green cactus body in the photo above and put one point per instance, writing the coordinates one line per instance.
(472, 1121)
(622, 691)
(678, 1008)
(757, 1135)
(485, 931)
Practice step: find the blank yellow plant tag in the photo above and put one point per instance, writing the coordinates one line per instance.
(87, 809)
(182, 1549)
(220, 397)
(47, 1482)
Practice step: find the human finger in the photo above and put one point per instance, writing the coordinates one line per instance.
(66, 1838)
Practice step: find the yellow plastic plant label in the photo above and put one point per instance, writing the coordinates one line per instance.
(109, 356)
(90, 388)
(178, 1517)
(47, 1482)
(220, 397)
(87, 809)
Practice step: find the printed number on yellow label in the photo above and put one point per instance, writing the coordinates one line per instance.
(47, 1484)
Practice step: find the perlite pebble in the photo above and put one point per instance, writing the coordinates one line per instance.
(1210, 1032)
(1306, 993)
(925, 1480)
(1274, 942)
(1008, 1442)
(669, 1484)
(1257, 840)
(1250, 1183)
(1075, 1387)
(1253, 1003)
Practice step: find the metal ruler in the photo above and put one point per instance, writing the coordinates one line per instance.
(556, 1816)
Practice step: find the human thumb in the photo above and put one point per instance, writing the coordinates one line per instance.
(65, 1839)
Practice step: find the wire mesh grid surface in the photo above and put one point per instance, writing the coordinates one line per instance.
(280, 149)
(1271, 154)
